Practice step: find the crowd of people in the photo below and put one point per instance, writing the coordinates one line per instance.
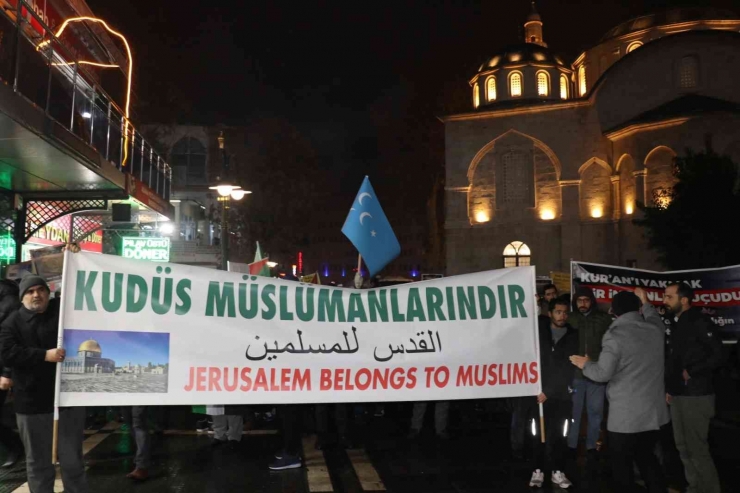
(592, 363)
(650, 383)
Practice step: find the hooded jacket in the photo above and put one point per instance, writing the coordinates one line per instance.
(693, 347)
(557, 370)
(590, 327)
(8, 304)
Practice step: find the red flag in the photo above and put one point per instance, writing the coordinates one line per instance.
(256, 267)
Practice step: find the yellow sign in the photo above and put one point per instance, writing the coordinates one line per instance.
(561, 280)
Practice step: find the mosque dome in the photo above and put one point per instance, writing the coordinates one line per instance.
(90, 345)
(668, 17)
(522, 53)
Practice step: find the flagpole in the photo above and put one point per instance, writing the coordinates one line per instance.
(542, 424)
(60, 345)
(359, 264)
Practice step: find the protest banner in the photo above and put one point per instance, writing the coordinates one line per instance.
(716, 291)
(145, 333)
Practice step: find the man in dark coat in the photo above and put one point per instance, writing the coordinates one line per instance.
(694, 353)
(591, 325)
(558, 342)
(28, 344)
(9, 303)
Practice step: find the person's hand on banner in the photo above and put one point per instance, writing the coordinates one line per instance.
(668, 399)
(55, 355)
(686, 376)
(541, 398)
(72, 247)
(5, 383)
(640, 293)
(579, 361)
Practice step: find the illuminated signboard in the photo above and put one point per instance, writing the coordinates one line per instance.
(7, 248)
(141, 248)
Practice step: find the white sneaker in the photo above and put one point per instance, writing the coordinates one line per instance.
(538, 477)
(559, 479)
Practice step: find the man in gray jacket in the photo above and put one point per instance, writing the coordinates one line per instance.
(632, 361)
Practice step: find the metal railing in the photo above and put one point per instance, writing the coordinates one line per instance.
(45, 72)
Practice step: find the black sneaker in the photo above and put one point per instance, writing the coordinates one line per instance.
(286, 462)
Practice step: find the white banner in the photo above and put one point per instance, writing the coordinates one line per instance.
(144, 333)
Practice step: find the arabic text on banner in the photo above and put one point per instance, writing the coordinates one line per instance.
(143, 333)
(716, 291)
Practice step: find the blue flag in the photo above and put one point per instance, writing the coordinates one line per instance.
(369, 230)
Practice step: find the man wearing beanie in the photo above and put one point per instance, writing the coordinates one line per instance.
(632, 362)
(591, 324)
(28, 344)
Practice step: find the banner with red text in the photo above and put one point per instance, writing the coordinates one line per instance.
(716, 291)
(147, 333)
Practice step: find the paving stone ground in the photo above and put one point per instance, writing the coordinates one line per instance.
(476, 460)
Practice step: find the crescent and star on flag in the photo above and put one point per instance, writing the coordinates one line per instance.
(363, 215)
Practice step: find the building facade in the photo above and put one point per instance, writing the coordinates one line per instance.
(89, 359)
(551, 162)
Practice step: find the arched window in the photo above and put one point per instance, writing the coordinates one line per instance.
(476, 96)
(563, 86)
(688, 72)
(633, 46)
(491, 89)
(515, 84)
(582, 80)
(543, 84)
(517, 254)
(188, 161)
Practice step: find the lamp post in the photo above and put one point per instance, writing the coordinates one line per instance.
(227, 190)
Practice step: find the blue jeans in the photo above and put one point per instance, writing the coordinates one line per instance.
(592, 394)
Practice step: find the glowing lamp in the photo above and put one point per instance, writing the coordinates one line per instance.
(86, 114)
(224, 189)
(629, 209)
(482, 217)
(547, 215)
(272, 265)
(167, 228)
(239, 194)
(597, 212)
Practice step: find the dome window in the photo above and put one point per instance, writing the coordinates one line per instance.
(491, 89)
(543, 83)
(563, 87)
(582, 88)
(515, 84)
(476, 96)
(515, 57)
(494, 61)
(540, 57)
(633, 46)
(688, 72)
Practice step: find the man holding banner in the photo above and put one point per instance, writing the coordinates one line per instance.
(558, 342)
(28, 344)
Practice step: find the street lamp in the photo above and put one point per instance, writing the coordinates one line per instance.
(227, 191)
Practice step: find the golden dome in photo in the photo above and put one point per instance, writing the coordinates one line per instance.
(90, 345)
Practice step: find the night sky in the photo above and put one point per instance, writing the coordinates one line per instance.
(362, 82)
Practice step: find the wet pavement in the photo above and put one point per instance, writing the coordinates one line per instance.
(476, 460)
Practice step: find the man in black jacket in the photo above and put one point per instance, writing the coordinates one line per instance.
(28, 344)
(558, 342)
(8, 440)
(694, 352)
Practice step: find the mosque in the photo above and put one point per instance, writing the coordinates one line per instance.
(89, 359)
(549, 163)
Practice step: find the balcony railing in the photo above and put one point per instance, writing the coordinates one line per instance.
(44, 71)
